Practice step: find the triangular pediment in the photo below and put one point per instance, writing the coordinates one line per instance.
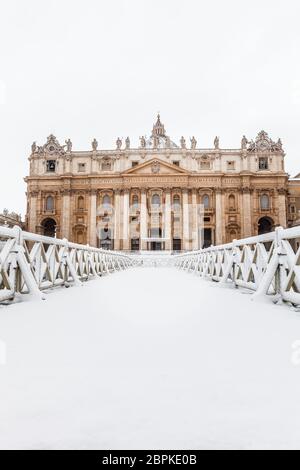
(155, 166)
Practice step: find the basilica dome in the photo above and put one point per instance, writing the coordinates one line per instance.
(158, 138)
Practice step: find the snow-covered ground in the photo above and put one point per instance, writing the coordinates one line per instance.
(149, 358)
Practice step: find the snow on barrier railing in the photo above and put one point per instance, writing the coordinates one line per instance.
(266, 264)
(30, 263)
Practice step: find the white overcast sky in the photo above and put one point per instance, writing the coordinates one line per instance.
(94, 68)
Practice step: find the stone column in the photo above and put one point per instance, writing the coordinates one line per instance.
(93, 219)
(195, 222)
(65, 214)
(117, 220)
(224, 218)
(143, 220)
(282, 207)
(219, 217)
(246, 211)
(32, 215)
(126, 219)
(185, 219)
(168, 227)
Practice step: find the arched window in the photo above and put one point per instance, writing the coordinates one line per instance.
(264, 202)
(80, 238)
(176, 202)
(80, 202)
(49, 204)
(231, 202)
(205, 201)
(135, 201)
(155, 200)
(106, 201)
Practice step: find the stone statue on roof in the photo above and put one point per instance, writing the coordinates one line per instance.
(33, 147)
(119, 143)
(143, 142)
(69, 145)
(193, 143)
(244, 142)
(182, 142)
(94, 145)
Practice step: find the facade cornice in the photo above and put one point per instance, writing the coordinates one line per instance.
(130, 178)
(134, 151)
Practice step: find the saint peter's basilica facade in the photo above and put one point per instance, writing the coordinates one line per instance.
(160, 195)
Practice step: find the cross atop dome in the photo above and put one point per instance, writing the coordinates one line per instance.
(158, 128)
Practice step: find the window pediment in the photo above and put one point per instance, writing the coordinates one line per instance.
(155, 166)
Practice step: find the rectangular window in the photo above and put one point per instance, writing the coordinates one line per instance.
(176, 244)
(176, 162)
(81, 167)
(230, 165)
(133, 164)
(51, 166)
(263, 163)
(204, 165)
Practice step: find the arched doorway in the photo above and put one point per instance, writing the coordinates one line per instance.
(265, 225)
(49, 227)
(207, 238)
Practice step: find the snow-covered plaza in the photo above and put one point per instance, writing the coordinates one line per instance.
(149, 358)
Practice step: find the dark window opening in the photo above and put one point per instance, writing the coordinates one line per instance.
(155, 246)
(207, 238)
(263, 163)
(49, 227)
(51, 166)
(176, 244)
(265, 225)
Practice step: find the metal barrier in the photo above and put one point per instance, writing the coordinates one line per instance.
(30, 263)
(266, 264)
